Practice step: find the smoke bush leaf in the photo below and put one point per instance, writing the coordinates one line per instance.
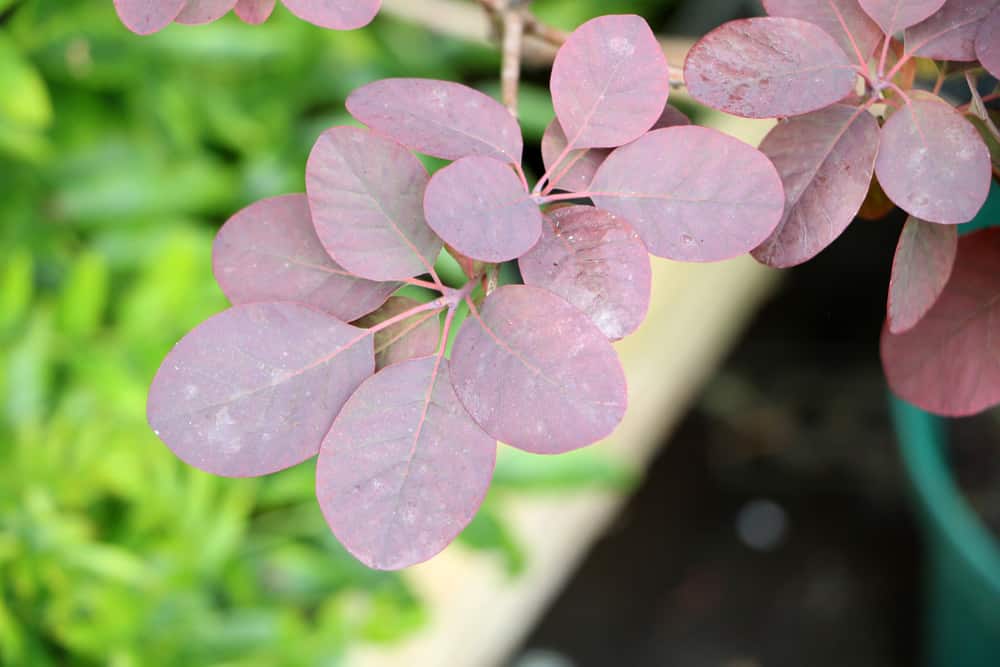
(988, 43)
(439, 118)
(269, 252)
(536, 373)
(949, 363)
(254, 11)
(767, 67)
(950, 34)
(610, 81)
(676, 187)
(920, 270)
(144, 17)
(596, 262)
(254, 389)
(335, 14)
(204, 11)
(479, 206)
(366, 195)
(415, 336)
(844, 20)
(895, 15)
(825, 159)
(932, 162)
(404, 468)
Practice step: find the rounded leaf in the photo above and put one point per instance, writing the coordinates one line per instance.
(595, 261)
(416, 336)
(404, 468)
(254, 11)
(335, 14)
(895, 15)
(610, 81)
(844, 20)
(196, 12)
(950, 34)
(825, 160)
(932, 162)
(366, 194)
(144, 17)
(439, 118)
(536, 373)
(253, 390)
(479, 206)
(988, 43)
(920, 270)
(949, 363)
(694, 194)
(269, 252)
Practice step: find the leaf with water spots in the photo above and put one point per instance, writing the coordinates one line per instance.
(254, 11)
(988, 43)
(895, 15)
(844, 20)
(950, 34)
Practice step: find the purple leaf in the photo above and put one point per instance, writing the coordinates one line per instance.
(596, 262)
(988, 43)
(416, 336)
(825, 159)
(895, 15)
(479, 206)
(950, 362)
(440, 118)
(254, 11)
(254, 389)
(335, 14)
(950, 34)
(766, 67)
(843, 20)
(536, 373)
(269, 252)
(920, 270)
(366, 194)
(609, 82)
(693, 194)
(144, 17)
(932, 162)
(404, 468)
(204, 11)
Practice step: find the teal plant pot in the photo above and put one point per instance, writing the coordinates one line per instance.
(962, 585)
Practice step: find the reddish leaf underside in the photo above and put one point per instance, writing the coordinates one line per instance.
(536, 373)
(924, 259)
(932, 162)
(949, 363)
(404, 468)
(895, 15)
(825, 159)
(950, 34)
(988, 43)
(610, 81)
(269, 252)
(148, 16)
(597, 263)
(196, 12)
(844, 20)
(767, 67)
(254, 11)
(254, 389)
(439, 118)
(416, 336)
(366, 195)
(479, 206)
(678, 188)
(335, 14)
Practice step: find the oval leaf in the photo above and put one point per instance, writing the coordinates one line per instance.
(479, 206)
(254, 11)
(254, 389)
(767, 67)
(366, 194)
(678, 188)
(610, 81)
(404, 468)
(920, 270)
(335, 14)
(196, 12)
(895, 15)
(144, 17)
(988, 43)
(269, 252)
(595, 261)
(825, 159)
(949, 363)
(416, 336)
(536, 373)
(933, 163)
(439, 118)
(843, 20)
(950, 34)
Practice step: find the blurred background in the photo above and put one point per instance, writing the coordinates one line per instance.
(774, 530)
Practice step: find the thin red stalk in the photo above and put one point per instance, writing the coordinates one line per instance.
(850, 36)
(882, 58)
(899, 91)
(436, 304)
(548, 173)
(520, 174)
(940, 78)
(422, 283)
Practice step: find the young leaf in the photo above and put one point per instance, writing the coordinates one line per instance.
(949, 363)
(439, 118)
(932, 162)
(920, 270)
(676, 186)
(269, 252)
(479, 206)
(825, 159)
(596, 262)
(895, 15)
(253, 389)
(416, 336)
(536, 373)
(609, 82)
(196, 12)
(843, 20)
(335, 14)
(366, 193)
(404, 467)
(950, 34)
(144, 17)
(766, 67)
(988, 43)
(254, 11)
